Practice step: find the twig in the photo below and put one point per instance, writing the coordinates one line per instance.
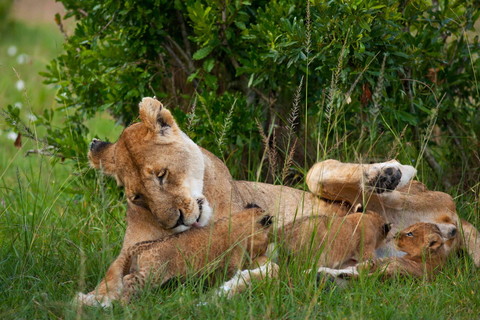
(47, 151)
(83, 12)
(270, 101)
(180, 64)
(58, 21)
(183, 30)
(185, 56)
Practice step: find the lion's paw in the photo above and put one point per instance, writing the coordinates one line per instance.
(387, 176)
(93, 300)
(341, 273)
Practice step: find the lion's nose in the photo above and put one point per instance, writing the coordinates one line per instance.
(94, 144)
(181, 219)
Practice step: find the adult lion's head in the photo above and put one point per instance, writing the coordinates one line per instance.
(161, 169)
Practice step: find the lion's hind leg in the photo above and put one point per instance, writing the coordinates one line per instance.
(471, 241)
(242, 279)
(335, 180)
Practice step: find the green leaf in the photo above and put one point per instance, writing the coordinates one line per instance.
(202, 53)
(208, 65)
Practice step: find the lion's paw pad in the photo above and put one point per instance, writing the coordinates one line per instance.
(387, 180)
(388, 176)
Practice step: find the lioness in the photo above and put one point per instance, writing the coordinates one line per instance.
(172, 185)
(423, 248)
(223, 245)
(335, 241)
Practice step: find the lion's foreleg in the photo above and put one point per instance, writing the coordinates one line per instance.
(108, 289)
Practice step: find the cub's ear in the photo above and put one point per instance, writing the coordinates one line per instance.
(101, 156)
(434, 241)
(266, 221)
(156, 117)
(386, 228)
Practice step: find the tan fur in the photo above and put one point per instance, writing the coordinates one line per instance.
(335, 241)
(224, 245)
(148, 148)
(423, 244)
(405, 205)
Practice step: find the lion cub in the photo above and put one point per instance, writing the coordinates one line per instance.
(225, 244)
(422, 245)
(336, 241)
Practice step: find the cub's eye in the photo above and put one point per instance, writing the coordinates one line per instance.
(162, 175)
(410, 234)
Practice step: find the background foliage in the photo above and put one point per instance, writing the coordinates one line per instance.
(371, 74)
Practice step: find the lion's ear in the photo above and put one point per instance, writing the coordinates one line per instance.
(101, 156)
(156, 117)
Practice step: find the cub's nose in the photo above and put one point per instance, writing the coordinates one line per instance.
(453, 232)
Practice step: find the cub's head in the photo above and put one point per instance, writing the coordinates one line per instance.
(161, 169)
(256, 224)
(420, 240)
(379, 223)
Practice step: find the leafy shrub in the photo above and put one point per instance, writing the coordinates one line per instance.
(371, 73)
(5, 6)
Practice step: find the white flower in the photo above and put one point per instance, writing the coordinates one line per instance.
(12, 50)
(20, 85)
(31, 117)
(12, 136)
(23, 58)
(18, 105)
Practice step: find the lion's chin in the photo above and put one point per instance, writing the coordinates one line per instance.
(205, 215)
(204, 218)
(181, 228)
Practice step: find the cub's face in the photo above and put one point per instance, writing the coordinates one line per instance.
(421, 239)
(161, 169)
(256, 224)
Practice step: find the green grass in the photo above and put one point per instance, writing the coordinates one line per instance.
(59, 232)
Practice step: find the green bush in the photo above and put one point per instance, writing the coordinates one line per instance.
(5, 6)
(376, 78)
